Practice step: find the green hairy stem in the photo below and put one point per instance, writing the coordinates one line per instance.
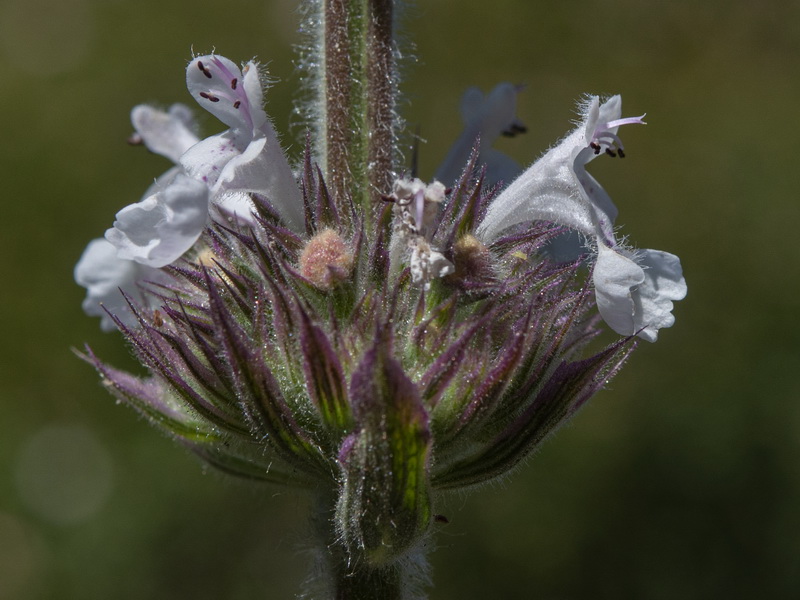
(343, 575)
(357, 86)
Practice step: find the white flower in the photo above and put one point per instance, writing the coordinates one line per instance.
(427, 264)
(634, 291)
(221, 170)
(415, 209)
(247, 158)
(485, 118)
(159, 229)
(103, 275)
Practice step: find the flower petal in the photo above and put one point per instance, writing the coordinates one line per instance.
(248, 158)
(238, 205)
(547, 191)
(232, 96)
(103, 274)
(485, 119)
(205, 160)
(557, 187)
(663, 284)
(160, 228)
(169, 134)
(615, 276)
(263, 169)
(635, 293)
(602, 209)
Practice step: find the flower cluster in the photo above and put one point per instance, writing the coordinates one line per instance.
(380, 355)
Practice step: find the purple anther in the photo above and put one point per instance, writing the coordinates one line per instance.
(203, 68)
(210, 97)
(237, 104)
(234, 81)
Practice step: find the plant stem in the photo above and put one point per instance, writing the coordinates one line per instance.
(358, 84)
(381, 92)
(369, 584)
(344, 574)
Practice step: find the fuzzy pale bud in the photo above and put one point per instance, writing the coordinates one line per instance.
(326, 260)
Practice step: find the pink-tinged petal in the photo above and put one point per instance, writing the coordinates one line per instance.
(614, 277)
(205, 160)
(159, 229)
(247, 158)
(220, 87)
(262, 169)
(169, 134)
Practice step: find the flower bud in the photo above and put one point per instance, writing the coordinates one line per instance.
(326, 260)
(471, 258)
(385, 504)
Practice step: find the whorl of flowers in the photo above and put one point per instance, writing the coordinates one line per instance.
(429, 346)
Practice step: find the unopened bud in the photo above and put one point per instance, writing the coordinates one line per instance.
(471, 258)
(385, 505)
(326, 260)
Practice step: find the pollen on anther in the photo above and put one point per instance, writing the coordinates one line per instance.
(234, 81)
(209, 97)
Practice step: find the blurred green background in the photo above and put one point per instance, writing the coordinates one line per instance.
(681, 481)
